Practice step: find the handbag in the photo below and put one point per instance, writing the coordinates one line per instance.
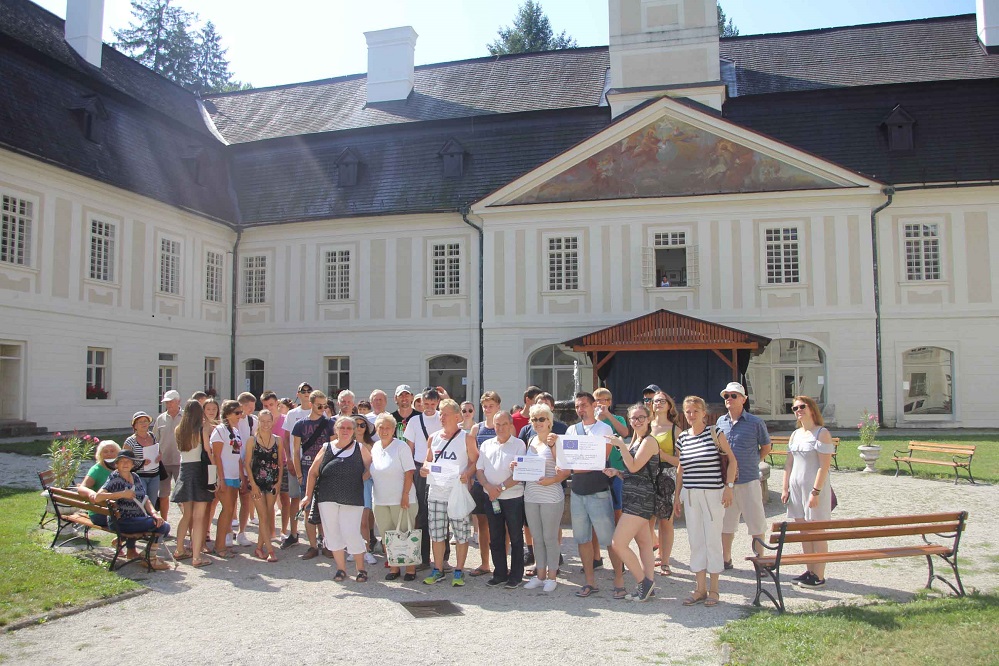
(402, 547)
(211, 470)
(314, 518)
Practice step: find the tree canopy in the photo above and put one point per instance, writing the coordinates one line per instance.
(531, 31)
(726, 28)
(165, 38)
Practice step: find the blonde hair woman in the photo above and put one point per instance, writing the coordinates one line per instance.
(97, 475)
(264, 466)
(664, 427)
(191, 490)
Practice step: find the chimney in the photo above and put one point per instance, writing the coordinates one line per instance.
(84, 25)
(987, 12)
(390, 63)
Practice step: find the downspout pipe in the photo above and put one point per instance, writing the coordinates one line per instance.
(232, 313)
(889, 192)
(482, 251)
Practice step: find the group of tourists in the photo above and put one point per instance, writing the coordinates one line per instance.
(344, 468)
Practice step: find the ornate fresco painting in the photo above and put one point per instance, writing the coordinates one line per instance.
(670, 158)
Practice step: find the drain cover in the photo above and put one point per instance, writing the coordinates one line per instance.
(423, 609)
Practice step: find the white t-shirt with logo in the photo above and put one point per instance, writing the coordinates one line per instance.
(455, 453)
(414, 433)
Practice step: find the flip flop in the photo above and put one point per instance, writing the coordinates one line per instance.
(664, 570)
(271, 557)
(586, 591)
(201, 563)
(693, 600)
(225, 554)
(478, 571)
(620, 592)
(259, 554)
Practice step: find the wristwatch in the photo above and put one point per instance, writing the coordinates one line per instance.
(502, 487)
(730, 484)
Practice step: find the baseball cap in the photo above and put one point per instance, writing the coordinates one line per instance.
(403, 388)
(170, 395)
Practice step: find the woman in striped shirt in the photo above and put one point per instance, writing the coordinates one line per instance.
(699, 486)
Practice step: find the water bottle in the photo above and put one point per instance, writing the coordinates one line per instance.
(496, 507)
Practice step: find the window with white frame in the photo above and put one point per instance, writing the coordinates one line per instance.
(102, 249)
(337, 272)
(16, 218)
(337, 374)
(169, 266)
(98, 373)
(563, 263)
(212, 365)
(255, 279)
(167, 374)
(214, 276)
(922, 252)
(446, 258)
(782, 256)
(928, 382)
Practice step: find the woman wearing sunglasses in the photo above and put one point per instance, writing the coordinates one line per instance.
(226, 445)
(807, 491)
(363, 434)
(467, 416)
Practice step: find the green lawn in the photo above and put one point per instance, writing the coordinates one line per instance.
(35, 448)
(984, 466)
(34, 579)
(925, 632)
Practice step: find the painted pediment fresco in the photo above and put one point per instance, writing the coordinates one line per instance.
(670, 158)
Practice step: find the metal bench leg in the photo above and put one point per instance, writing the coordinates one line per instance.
(897, 469)
(835, 462)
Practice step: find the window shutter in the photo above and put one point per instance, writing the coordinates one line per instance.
(648, 266)
(693, 267)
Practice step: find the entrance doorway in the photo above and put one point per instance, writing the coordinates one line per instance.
(11, 380)
(451, 372)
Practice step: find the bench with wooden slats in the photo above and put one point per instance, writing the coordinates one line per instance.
(71, 509)
(960, 457)
(782, 440)
(946, 526)
(46, 479)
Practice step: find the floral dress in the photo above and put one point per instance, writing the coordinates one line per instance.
(266, 466)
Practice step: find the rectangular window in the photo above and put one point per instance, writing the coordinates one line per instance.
(782, 256)
(167, 379)
(212, 375)
(563, 263)
(446, 269)
(337, 375)
(214, 276)
(922, 252)
(102, 240)
(98, 367)
(15, 231)
(255, 279)
(671, 259)
(169, 266)
(338, 275)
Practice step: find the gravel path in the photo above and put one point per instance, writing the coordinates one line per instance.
(245, 610)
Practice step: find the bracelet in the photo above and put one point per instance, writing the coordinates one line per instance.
(816, 491)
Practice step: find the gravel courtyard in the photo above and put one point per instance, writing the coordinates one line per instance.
(244, 610)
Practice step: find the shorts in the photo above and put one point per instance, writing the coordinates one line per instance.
(747, 502)
(617, 493)
(233, 483)
(481, 500)
(368, 485)
(589, 513)
(437, 521)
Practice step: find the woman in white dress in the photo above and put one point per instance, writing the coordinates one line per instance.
(807, 491)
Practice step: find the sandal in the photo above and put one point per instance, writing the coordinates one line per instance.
(201, 563)
(409, 578)
(586, 591)
(478, 571)
(664, 570)
(362, 576)
(620, 592)
(155, 564)
(694, 599)
(259, 554)
(340, 576)
(392, 575)
(712, 600)
(271, 557)
(183, 555)
(225, 554)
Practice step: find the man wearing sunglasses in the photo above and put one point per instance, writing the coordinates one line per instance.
(308, 437)
(747, 435)
(294, 471)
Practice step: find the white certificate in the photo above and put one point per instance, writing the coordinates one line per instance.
(583, 452)
(529, 468)
(149, 454)
(444, 473)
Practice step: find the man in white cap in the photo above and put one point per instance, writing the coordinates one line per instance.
(404, 408)
(747, 435)
(163, 431)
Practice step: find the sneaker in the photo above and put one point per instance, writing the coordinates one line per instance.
(254, 521)
(534, 583)
(447, 568)
(728, 565)
(289, 541)
(454, 540)
(813, 581)
(644, 590)
(435, 576)
(228, 540)
(235, 524)
(369, 558)
(242, 540)
(474, 541)
(550, 585)
(598, 563)
(495, 582)
(804, 576)
(458, 580)
(513, 584)
(422, 567)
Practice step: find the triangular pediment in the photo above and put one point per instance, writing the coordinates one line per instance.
(670, 149)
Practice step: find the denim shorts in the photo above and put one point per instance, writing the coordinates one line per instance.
(617, 493)
(368, 486)
(232, 483)
(592, 512)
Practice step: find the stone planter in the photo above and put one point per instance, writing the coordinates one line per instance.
(870, 455)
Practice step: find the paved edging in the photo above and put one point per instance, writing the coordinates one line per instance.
(73, 610)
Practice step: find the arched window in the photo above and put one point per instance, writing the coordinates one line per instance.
(786, 368)
(254, 382)
(927, 382)
(451, 372)
(551, 368)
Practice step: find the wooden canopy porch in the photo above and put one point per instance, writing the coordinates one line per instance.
(667, 331)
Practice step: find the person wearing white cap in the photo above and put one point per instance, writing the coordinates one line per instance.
(750, 441)
(147, 452)
(163, 431)
(404, 409)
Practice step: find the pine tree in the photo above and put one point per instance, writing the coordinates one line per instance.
(726, 28)
(531, 31)
(210, 67)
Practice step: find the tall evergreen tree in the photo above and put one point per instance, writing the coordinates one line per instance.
(726, 28)
(531, 31)
(211, 68)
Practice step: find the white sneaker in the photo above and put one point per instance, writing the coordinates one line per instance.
(242, 540)
(369, 558)
(228, 540)
(534, 583)
(254, 521)
(474, 541)
(550, 585)
(280, 537)
(235, 524)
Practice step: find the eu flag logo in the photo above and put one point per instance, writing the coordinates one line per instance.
(570, 444)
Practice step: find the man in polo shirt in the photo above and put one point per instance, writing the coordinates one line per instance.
(419, 429)
(496, 476)
(747, 435)
(294, 466)
(163, 432)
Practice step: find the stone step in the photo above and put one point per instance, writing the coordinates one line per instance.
(11, 428)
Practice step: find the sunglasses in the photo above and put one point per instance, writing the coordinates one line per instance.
(322, 406)
(731, 396)
(646, 399)
(468, 411)
(799, 408)
(659, 401)
(305, 390)
(539, 419)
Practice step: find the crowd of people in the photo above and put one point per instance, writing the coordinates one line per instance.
(345, 469)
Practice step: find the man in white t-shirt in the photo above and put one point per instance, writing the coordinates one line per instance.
(420, 428)
(494, 473)
(379, 403)
(247, 428)
(294, 470)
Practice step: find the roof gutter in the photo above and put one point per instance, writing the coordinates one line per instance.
(482, 348)
(232, 313)
(888, 192)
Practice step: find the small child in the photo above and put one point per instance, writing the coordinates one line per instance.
(363, 407)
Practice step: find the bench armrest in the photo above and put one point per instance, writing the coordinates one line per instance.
(907, 452)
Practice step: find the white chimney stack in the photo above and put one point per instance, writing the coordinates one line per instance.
(84, 26)
(391, 55)
(988, 24)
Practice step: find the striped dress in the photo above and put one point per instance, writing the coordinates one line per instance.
(700, 460)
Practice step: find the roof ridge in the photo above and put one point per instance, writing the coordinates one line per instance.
(812, 31)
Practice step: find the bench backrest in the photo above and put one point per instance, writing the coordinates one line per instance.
(72, 498)
(936, 447)
(46, 478)
(782, 440)
(869, 528)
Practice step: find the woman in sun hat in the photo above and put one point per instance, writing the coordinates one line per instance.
(143, 444)
(137, 513)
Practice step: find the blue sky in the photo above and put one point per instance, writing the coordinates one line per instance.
(316, 39)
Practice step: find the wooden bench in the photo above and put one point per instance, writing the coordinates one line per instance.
(948, 526)
(45, 479)
(960, 457)
(71, 509)
(782, 440)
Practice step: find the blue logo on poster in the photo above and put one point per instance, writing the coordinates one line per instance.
(570, 444)
(435, 468)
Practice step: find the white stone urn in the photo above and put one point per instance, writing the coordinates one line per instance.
(870, 455)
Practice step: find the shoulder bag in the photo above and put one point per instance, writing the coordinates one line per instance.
(314, 506)
(402, 548)
(721, 455)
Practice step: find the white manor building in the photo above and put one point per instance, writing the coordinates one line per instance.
(820, 206)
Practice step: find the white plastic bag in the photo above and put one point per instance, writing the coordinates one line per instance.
(460, 502)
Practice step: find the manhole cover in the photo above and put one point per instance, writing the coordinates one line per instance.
(422, 609)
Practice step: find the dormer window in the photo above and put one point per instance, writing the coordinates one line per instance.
(453, 157)
(90, 115)
(197, 161)
(346, 168)
(898, 127)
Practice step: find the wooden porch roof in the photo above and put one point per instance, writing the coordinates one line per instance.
(665, 330)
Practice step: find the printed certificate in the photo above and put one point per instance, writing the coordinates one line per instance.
(529, 468)
(581, 452)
